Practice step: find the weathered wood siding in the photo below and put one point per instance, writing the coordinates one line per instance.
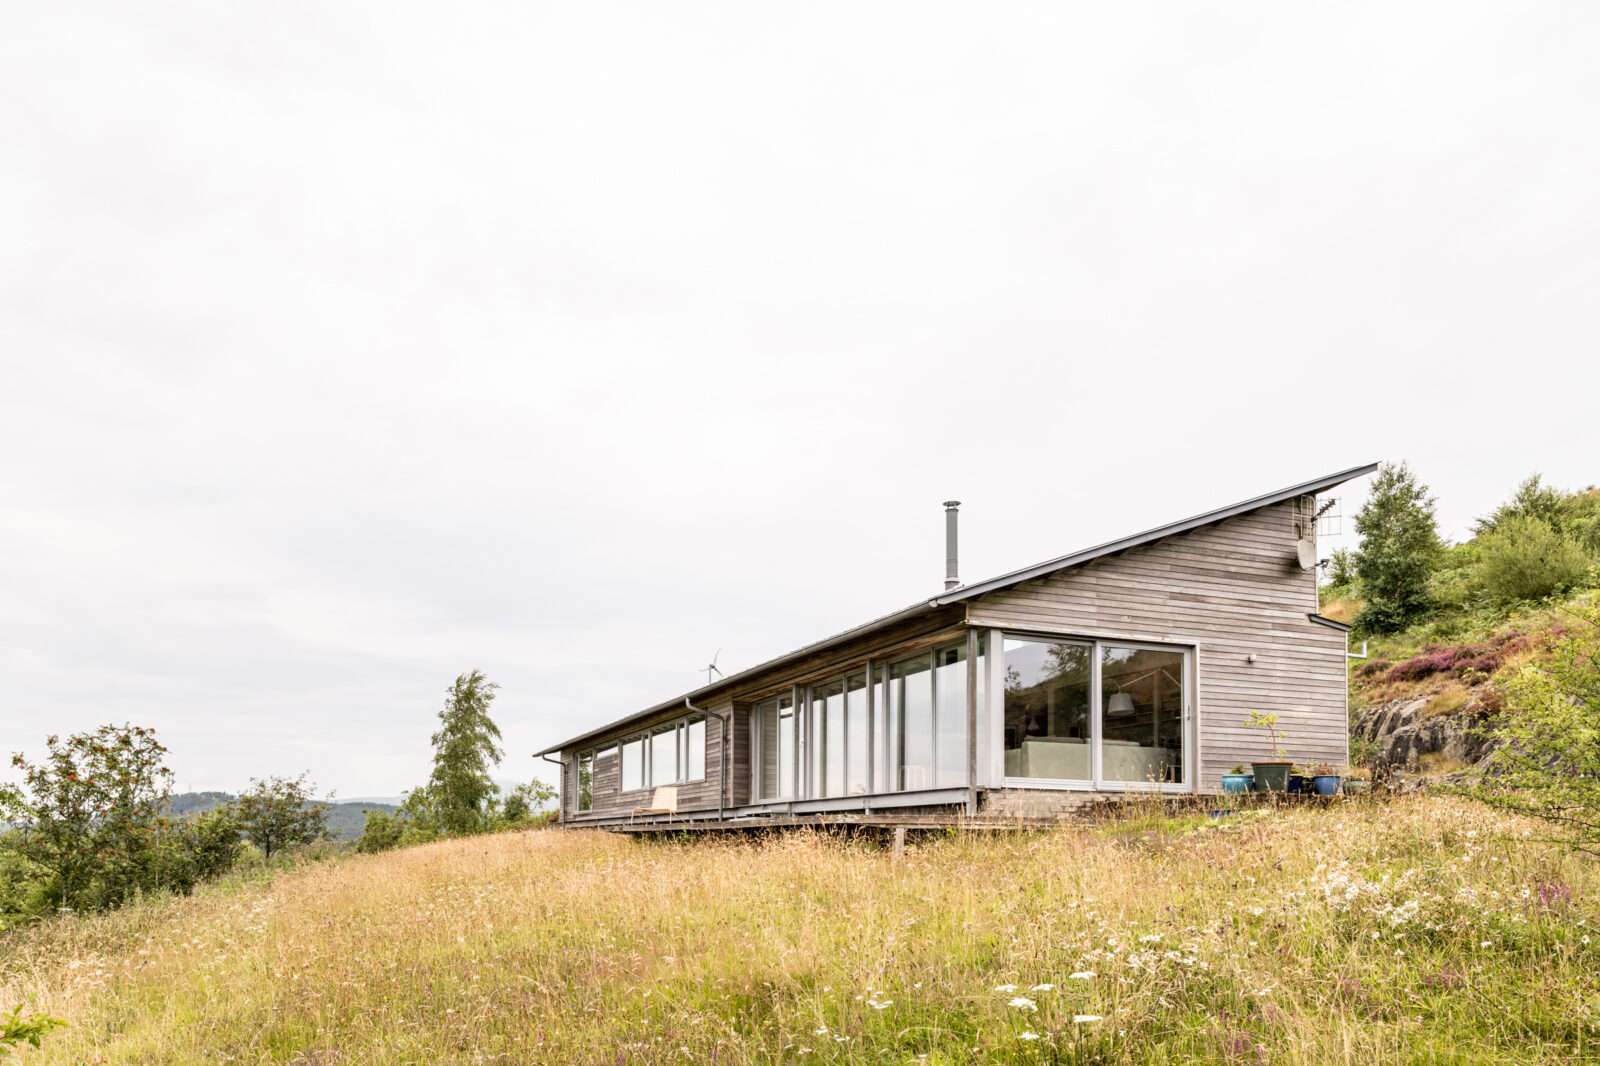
(1233, 590)
(608, 799)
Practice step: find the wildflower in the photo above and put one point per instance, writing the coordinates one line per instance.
(1150, 938)
(1081, 975)
(880, 1004)
(821, 1030)
(1027, 1034)
(1042, 987)
(1005, 988)
(1086, 1019)
(1022, 1003)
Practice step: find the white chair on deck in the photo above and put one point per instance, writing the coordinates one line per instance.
(663, 801)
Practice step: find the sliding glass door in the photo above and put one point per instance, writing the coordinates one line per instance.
(899, 727)
(1142, 730)
(1092, 714)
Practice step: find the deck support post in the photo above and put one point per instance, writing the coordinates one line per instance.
(899, 842)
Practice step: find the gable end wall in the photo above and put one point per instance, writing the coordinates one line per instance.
(1234, 590)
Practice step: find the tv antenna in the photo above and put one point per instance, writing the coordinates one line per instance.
(712, 667)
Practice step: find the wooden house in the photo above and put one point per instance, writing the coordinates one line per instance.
(1131, 666)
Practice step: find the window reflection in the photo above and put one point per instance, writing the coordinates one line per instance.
(1047, 706)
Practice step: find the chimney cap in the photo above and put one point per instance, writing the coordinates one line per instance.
(952, 503)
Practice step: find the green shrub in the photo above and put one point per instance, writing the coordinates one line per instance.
(27, 889)
(1548, 761)
(1525, 558)
(1580, 518)
(17, 1028)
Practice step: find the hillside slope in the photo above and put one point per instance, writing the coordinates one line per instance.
(1425, 700)
(1421, 929)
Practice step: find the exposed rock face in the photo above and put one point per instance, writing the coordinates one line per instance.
(1403, 736)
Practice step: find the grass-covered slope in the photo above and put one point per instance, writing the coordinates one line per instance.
(1458, 663)
(1421, 930)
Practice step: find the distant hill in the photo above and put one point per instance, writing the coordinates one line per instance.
(345, 820)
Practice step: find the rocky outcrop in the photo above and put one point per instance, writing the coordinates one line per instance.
(1402, 734)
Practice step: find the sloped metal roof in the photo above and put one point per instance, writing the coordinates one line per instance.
(967, 592)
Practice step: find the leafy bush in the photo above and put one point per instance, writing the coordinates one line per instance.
(279, 812)
(1548, 762)
(200, 848)
(1580, 519)
(383, 832)
(27, 890)
(91, 814)
(1525, 558)
(17, 1028)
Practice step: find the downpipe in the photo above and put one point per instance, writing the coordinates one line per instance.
(561, 785)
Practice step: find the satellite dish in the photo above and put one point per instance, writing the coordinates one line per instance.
(1306, 549)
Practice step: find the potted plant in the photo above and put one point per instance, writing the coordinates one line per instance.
(1325, 781)
(1299, 779)
(1238, 780)
(1272, 775)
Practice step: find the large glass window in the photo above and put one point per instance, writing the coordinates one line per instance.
(633, 764)
(950, 685)
(911, 703)
(855, 735)
(828, 758)
(1142, 714)
(1047, 708)
(664, 757)
(775, 738)
(586, 781)
(671, 754)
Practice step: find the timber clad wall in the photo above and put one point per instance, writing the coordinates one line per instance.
(1233, 589)
(609, 802)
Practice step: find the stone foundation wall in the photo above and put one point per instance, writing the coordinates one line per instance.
(1033, 802)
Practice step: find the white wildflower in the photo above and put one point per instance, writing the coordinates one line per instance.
(1022, 1003)
(1086, 1019)
(1005, 988)
(1044, 986)
(1027, 1034)
(1081, 975)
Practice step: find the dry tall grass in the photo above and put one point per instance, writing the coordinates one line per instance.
(1422, 930)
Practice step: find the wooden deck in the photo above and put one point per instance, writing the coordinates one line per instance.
(1103, 809)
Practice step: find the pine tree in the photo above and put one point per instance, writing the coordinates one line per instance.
(460, 791)
(1400, 547)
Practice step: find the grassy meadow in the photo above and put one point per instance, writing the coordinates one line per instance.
(1416, 929)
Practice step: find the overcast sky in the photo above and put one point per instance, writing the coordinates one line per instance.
(346, 348)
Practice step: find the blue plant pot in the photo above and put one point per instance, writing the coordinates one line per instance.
(1299, 783)
(1237, 782)
(1326, 784)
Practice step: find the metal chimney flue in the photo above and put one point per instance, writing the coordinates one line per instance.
(950, 579)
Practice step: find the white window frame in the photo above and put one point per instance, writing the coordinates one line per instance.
(1096, 782)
